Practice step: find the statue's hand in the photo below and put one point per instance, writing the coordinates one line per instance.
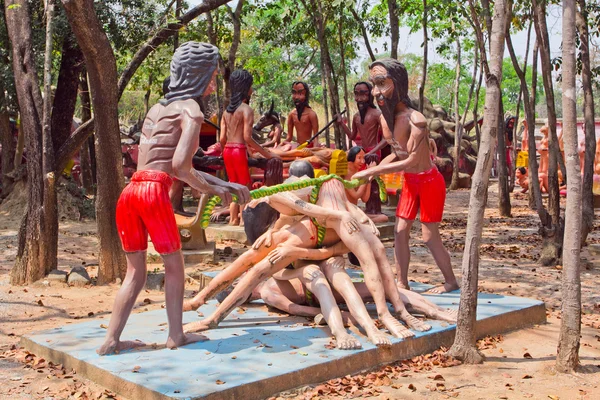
(224, 194)
(265, 239)
(350, 222)
(241, 191)
(336, 262)
(364, 175)
(279, 253)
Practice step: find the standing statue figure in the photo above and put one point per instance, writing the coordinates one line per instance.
(302, 118)
(366, 123)
(168, 142)
(236, 135)
(405, 130)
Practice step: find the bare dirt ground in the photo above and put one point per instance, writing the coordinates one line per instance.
(519, 364)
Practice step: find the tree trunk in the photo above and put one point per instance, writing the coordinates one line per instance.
(147, 94)
(588, 113)
(87, 157)
(325, 104)
(65, 99)
(34, 258)
(343, 66)
(178, 6)
(394, 28)
(457, 119)
(8, 145)
(476, 106)
(529, 107)
(503, 194)
(102, 72)
(552, 247)
(464, 347)
(425, 51)
(567, 359)
(363, 30)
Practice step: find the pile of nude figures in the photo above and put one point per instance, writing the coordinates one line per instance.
(296, 265)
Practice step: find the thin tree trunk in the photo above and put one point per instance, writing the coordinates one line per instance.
(457, 130)
(588, 113)
(476, 107)
(177, 16)
(394, 28)
(567, 359)
(363, 30)
(8, 145)
(33, 260)
(147, 94)
(529, 107)
(102, 72)
(504, 206)
(464, 347)
(87, 157)
(343, 57)
(325, 104)
(235, 42)
(552, 247)
(425, 53)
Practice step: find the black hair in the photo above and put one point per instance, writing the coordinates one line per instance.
(300, 168)
(522, 170)
(370, 87)
(305, 88)
(240, 83)
(353, 152)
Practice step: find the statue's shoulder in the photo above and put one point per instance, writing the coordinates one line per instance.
(418, 119)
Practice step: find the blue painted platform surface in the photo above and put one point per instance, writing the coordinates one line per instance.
(253, 354)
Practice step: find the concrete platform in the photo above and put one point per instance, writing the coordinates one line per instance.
(254, 354)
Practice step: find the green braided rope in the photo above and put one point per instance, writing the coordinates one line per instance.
(271, 190)
(382, 191)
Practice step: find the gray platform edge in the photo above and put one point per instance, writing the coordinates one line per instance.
(351, 364)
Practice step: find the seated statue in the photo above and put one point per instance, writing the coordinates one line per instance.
(333, 218)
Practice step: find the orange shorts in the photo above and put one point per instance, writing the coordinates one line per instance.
(425, 191)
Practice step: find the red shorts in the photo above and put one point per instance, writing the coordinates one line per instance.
(235, 157)
(425, 191)
(145, 208)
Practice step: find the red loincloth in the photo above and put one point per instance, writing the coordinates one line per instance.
(144, 208)
(235, 157)
(425, 191)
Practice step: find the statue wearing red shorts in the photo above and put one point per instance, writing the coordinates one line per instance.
(168, 143)
(236, 135)
(405, 130)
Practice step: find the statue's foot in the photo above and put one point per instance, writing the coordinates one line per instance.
(395, 327)
(402, 285)
(191, 305)
(115, 347)
(346, 341)
(445, 288)
(234, 222)
(379, 338)
(198, 326)
(415, 323)
(448, 315)
(185, 339)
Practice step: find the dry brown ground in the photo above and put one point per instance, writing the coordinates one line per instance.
(519, 364)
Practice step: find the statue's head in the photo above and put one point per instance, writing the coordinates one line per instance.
(240, 83)
(356, 155)
(363, 95)
(300, 168)
(390, 86)
(194, 68)
(300, 96)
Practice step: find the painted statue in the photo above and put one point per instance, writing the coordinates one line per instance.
(302, 118)
(168, 142)
(424, 191)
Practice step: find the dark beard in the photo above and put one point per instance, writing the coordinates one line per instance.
(363, 108)
(300, 108)
(388, 109)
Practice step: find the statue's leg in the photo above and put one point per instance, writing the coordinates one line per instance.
(233, 271)
(314, 280)
(402, 250)
(174, 287)
(240, 293)
(433, 240)
(360, 246)
(234, 214)
(418, 303)
(134, 282)
(391, 290)
(336, 274)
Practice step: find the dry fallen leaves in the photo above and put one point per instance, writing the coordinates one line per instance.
(220, 382)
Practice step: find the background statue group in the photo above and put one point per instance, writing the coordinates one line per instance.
(298, 260)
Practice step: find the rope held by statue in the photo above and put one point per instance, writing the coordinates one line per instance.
(284, 187)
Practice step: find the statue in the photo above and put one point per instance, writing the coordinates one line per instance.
(302, 118)
(356, 162)
(168, 142)
(236, 136)
(543, 150)
(333, 218)
(405, 130)
(366, 125)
